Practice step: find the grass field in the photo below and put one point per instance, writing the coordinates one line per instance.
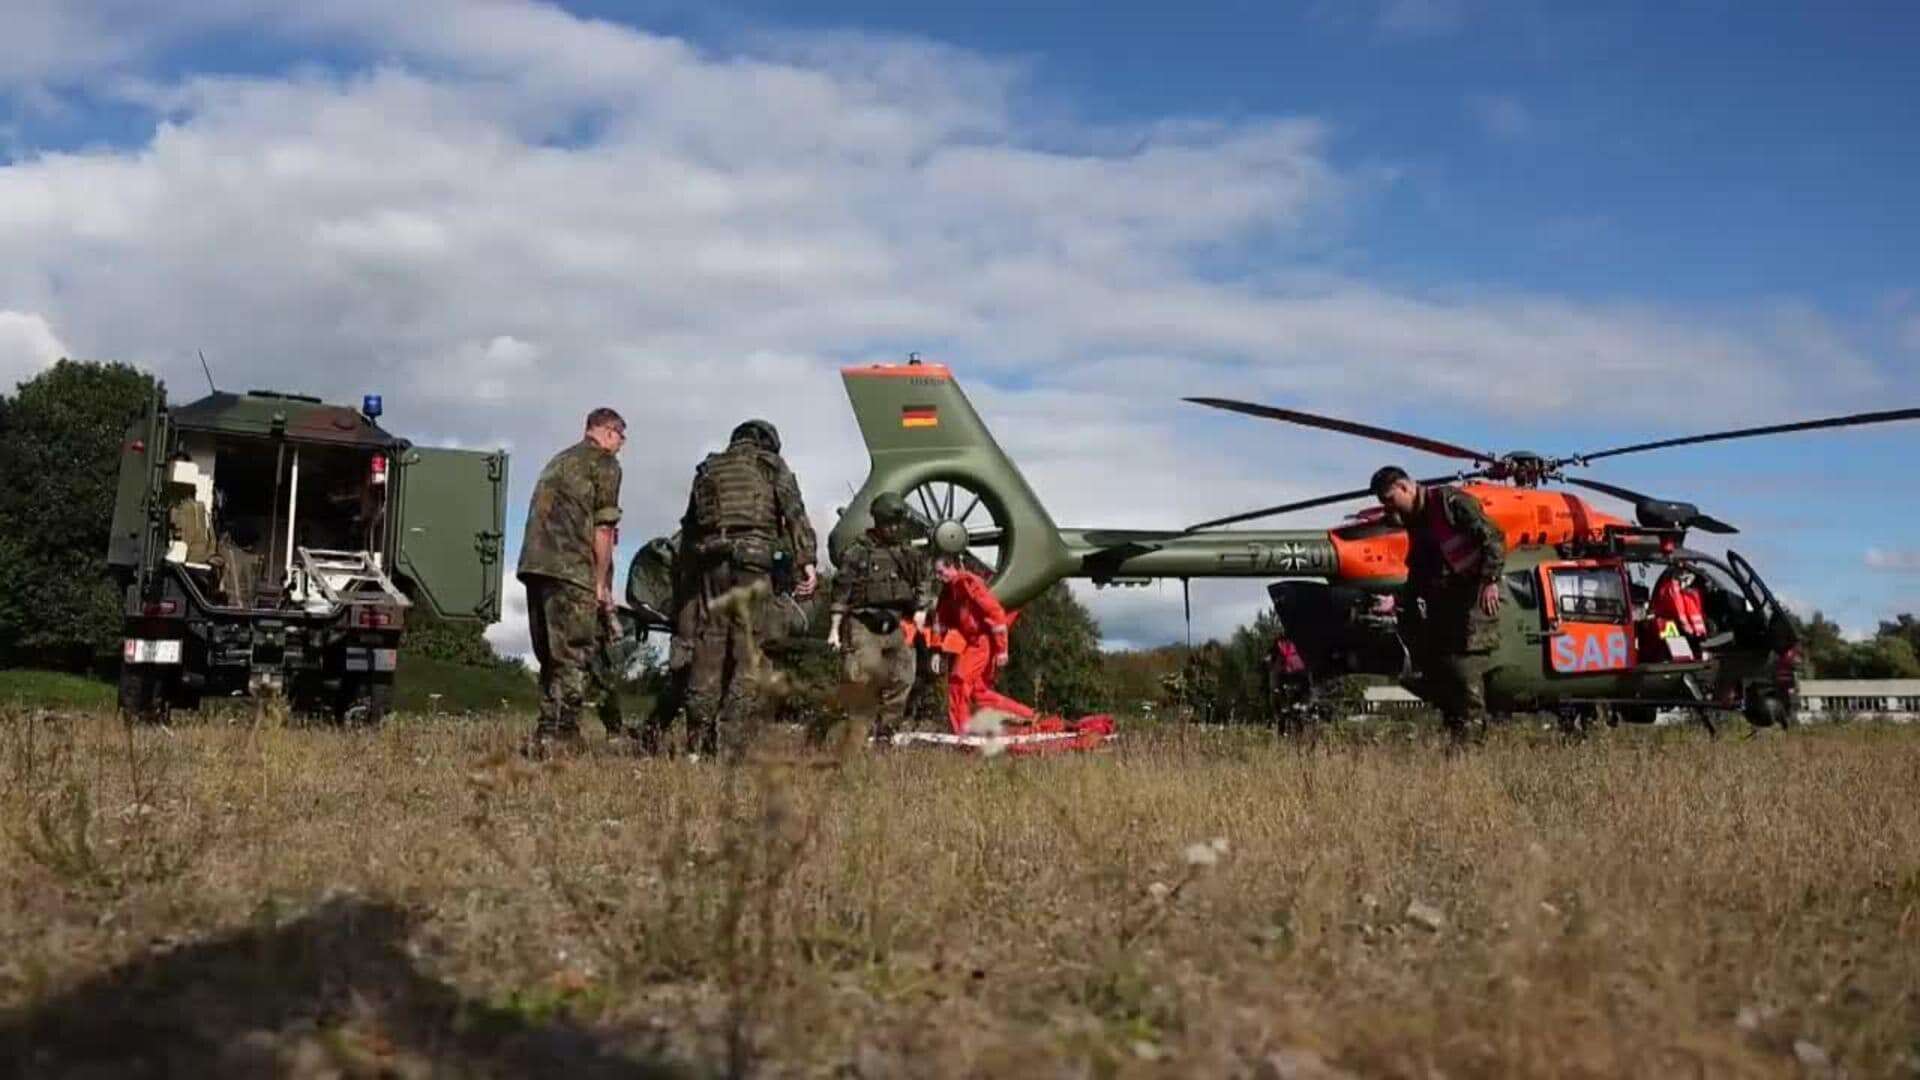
(233, 900)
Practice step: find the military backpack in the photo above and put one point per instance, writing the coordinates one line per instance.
(733, 493)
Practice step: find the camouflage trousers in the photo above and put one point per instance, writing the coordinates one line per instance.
(565, 624)
(1456, 684)
(879, 666)
(725, 664)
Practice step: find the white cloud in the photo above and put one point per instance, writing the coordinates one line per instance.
(1418, 17)
(27, 344)
(515, 215)
(1501, 117)
(1893, 560)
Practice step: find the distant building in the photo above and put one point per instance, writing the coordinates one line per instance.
(1835, 699)
(1820, 699)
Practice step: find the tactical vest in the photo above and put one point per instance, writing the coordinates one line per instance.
(879, 579)
(1458, 550)
(733, 493)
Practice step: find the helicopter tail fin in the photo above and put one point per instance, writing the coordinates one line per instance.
(926, 442)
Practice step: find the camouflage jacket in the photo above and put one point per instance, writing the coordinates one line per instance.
(1453, 552)
(788, 524)
(876, 575)
(577, 492)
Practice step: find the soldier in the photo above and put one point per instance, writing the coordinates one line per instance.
(1450, 605)
(566, 563)
(882, 580)
(745, 504)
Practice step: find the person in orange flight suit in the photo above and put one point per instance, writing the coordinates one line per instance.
(968, 607)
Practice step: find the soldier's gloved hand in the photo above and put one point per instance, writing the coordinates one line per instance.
(809, 581)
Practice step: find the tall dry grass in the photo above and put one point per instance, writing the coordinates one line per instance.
(1649, 903)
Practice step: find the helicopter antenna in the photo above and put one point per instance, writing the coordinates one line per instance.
(207, 371)
(1186, 600)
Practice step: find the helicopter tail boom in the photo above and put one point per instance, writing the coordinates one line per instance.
(926, 442)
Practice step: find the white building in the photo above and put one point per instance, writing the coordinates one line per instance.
(1820, 699)
(1878, 699)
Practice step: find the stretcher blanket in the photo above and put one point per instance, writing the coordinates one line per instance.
(1045, 735)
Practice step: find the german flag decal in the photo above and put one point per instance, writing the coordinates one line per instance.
(919, 416)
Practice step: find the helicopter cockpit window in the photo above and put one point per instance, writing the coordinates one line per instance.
(1590, 595)
(1524, 587)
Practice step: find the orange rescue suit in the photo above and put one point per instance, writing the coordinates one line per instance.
(1681, 606)
(967, 607)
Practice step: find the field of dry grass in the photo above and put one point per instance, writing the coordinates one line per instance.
(240, 900)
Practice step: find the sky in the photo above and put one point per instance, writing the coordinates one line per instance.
(1507, 224)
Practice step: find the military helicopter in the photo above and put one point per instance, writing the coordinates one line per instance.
(1577, 635)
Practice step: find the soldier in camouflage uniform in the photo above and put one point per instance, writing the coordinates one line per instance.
(566, 563)
(745, 504)
(1450, 606)
(882, 580)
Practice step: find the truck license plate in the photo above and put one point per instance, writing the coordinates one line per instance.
(151, 652)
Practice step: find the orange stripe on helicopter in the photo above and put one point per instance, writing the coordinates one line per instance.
(900, 371)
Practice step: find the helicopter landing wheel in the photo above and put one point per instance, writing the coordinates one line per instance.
(957, 518)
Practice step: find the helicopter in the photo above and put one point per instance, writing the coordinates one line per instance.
(1577, 634)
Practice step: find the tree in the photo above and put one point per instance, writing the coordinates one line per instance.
(1829, 655)
(1905, 627)
(1056, 664)
(60, 437)
(462, 641)
(1888, 656)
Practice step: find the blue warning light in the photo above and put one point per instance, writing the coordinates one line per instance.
(370, 405)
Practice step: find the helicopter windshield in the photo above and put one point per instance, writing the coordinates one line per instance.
(1590, 594)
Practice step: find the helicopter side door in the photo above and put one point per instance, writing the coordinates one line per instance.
(1587, 615)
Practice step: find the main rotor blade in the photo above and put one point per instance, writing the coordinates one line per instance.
(1855, 420)
(1348, 427)
(1283, 508)
(1618, 492)
(1324, 500)
(1703, 522)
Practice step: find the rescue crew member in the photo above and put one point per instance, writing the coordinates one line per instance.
(1679, 608)
(1289, 683)
(968, 608)
(745, 502)
(882, 581)
(566, 563)
(1451, 602)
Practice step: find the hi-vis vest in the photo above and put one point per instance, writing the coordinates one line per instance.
(1287, 657)
(1459, 550)
(1680, 606)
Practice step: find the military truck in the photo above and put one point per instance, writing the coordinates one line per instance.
(274, 544)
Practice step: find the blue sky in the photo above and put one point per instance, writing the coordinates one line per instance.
(1507, 224)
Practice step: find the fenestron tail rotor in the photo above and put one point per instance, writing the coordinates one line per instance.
(958, 517)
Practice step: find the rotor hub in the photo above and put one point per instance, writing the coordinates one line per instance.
(950, 537)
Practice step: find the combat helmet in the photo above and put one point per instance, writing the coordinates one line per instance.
(889, 508)
(759, 432)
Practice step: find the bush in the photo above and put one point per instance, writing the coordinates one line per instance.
(1056, 665)
(60, 437)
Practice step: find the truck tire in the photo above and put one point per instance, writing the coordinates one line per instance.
(145, 695)
(364, 702)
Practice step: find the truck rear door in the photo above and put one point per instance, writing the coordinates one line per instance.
(452, 516)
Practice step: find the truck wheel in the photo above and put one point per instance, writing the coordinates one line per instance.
(365, 702)
(379, 700)
(145, 695)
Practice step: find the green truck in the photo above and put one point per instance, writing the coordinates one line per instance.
(272, 544)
